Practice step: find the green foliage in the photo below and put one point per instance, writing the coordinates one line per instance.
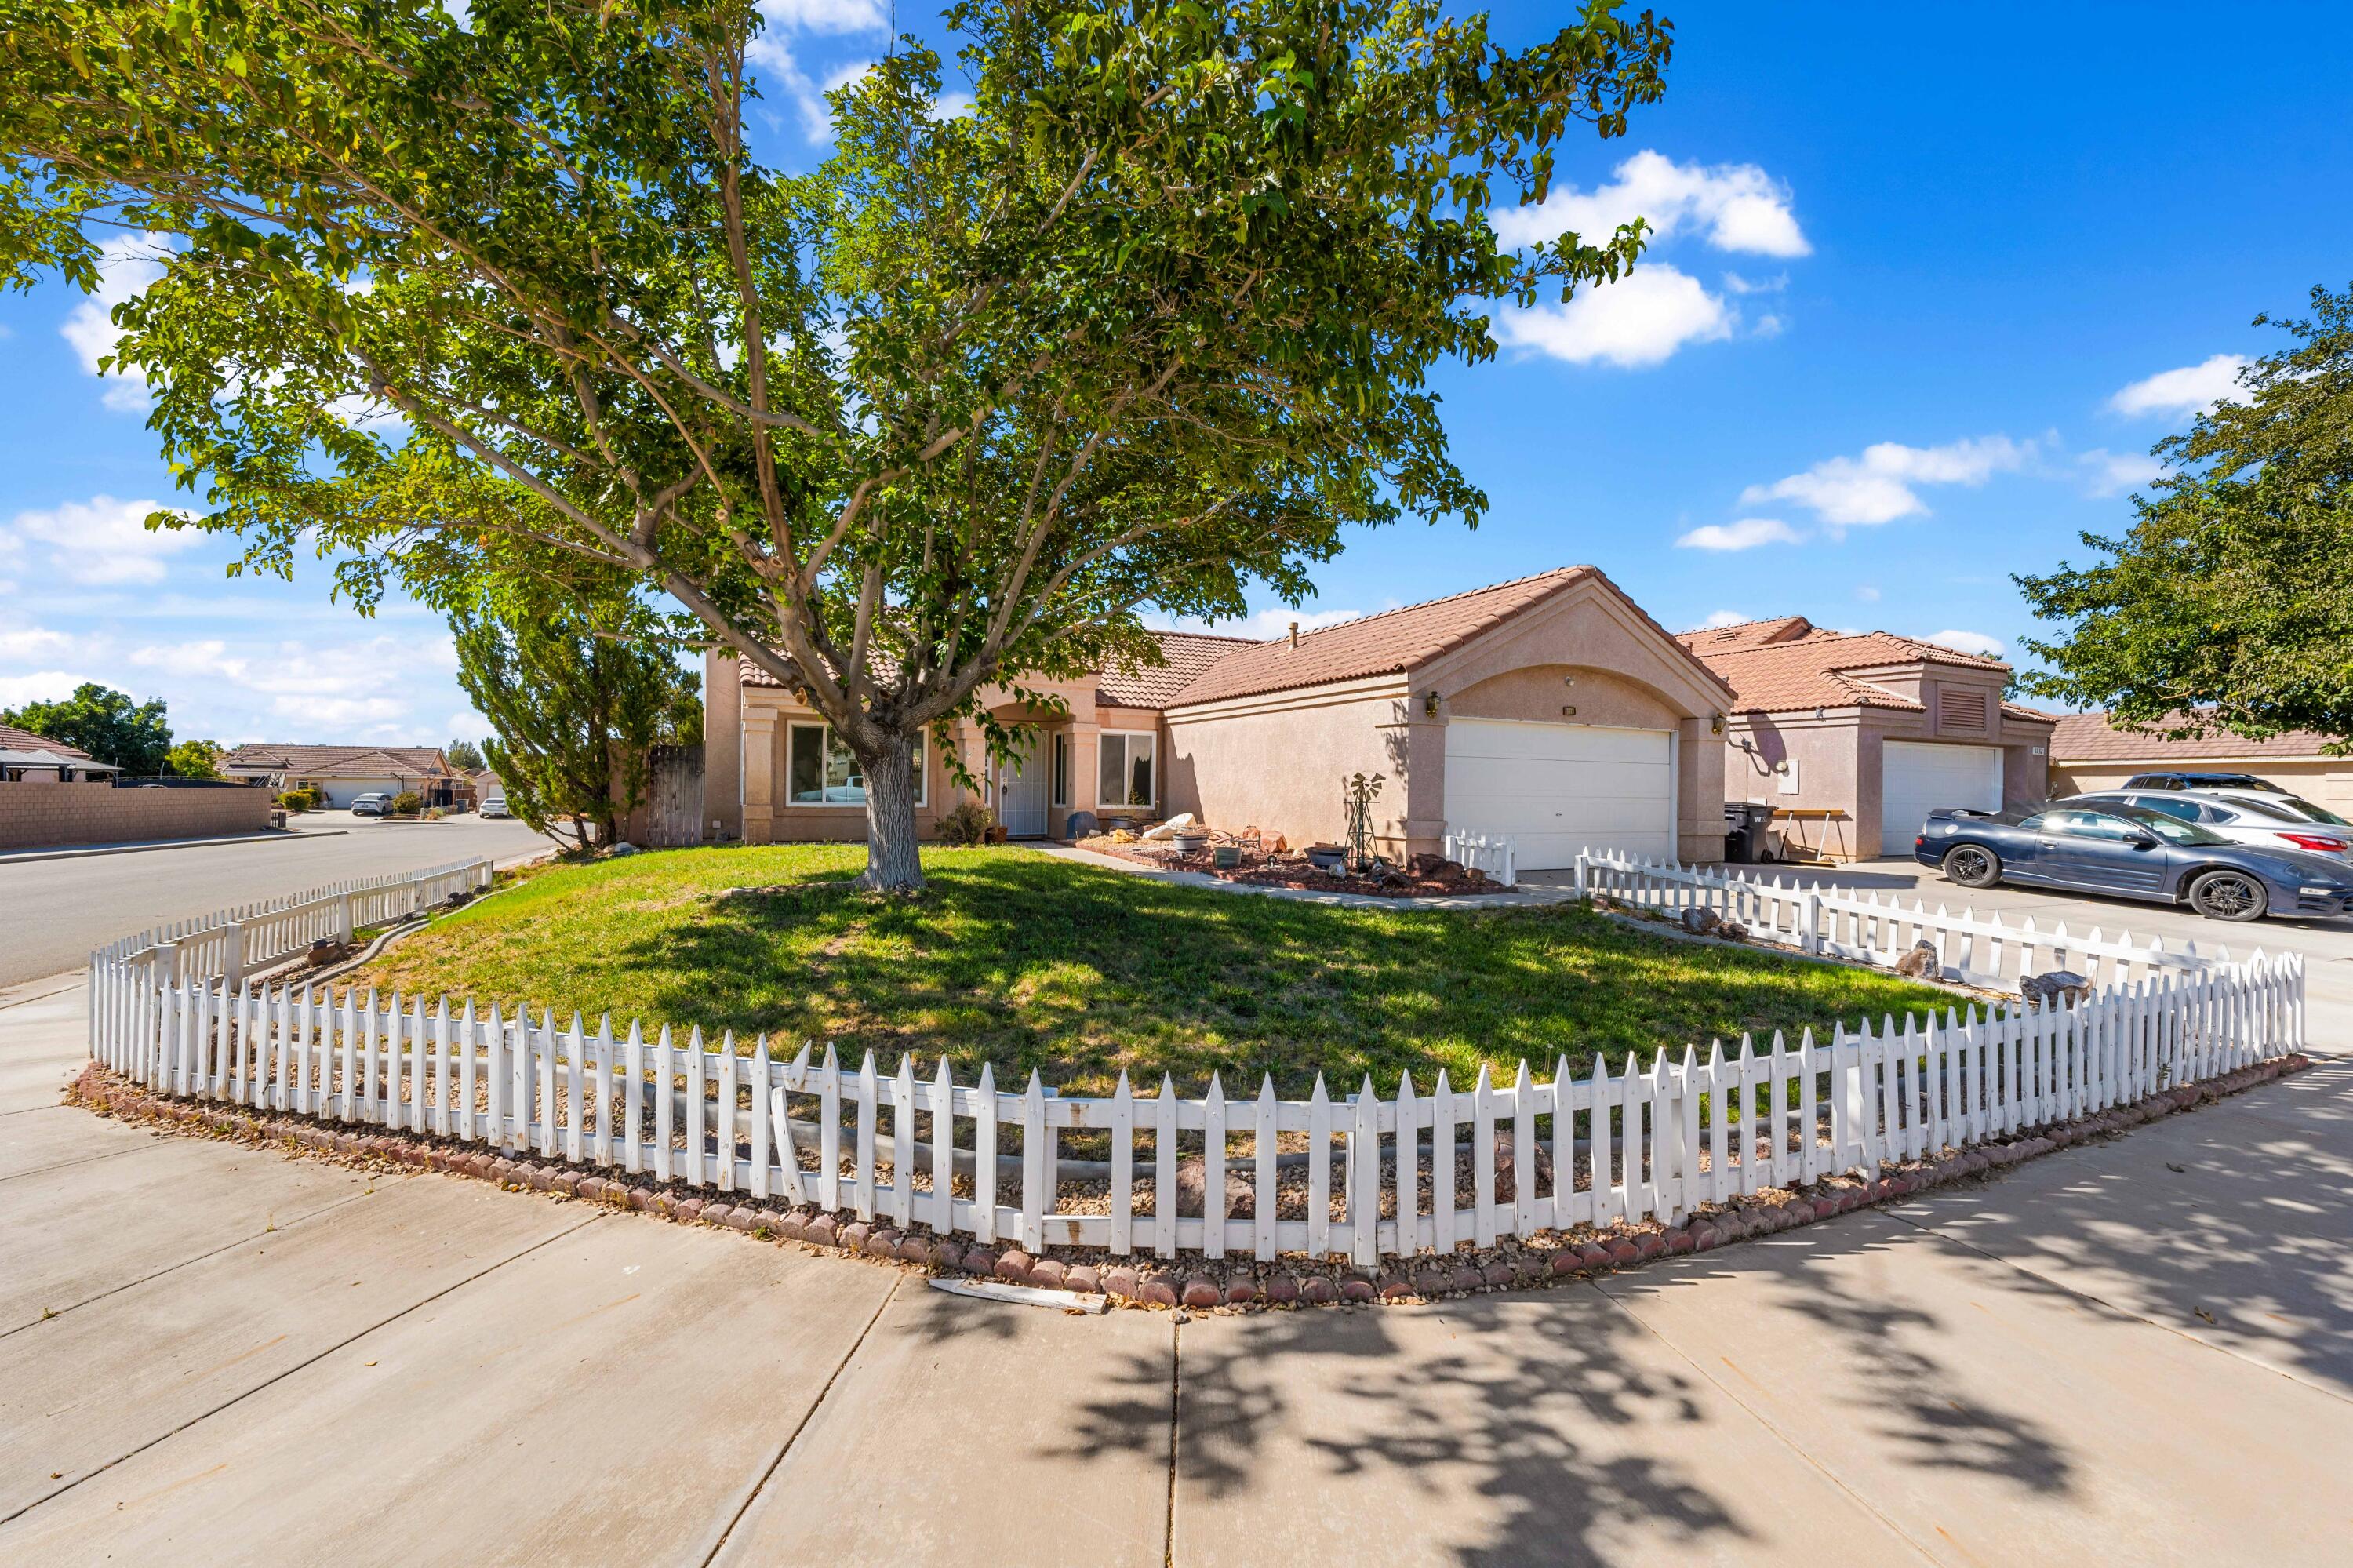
(966, 825)
(580, 685)
(194, 759)
(464, 755)
(1024, 960)
(301, 799)
(104, 723)
(407, 803)
(1154, 318)
(2229, 604)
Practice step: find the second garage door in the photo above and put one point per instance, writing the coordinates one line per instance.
(1558, 789)
(1917, 778)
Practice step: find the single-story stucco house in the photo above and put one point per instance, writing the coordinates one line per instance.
(1855, 738)
(343, 773)
(1550, 708)
(27, 758)
(2089, 753)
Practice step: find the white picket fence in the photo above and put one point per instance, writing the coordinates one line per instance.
(1846, 923)
(225, 946)
(1380, 1173)
(1497, 855)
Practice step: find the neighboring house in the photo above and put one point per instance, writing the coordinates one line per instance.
(29, 759)
(2088, 753)
(485, 784)
(1549, 708)
(1855, 738)
(343, 773)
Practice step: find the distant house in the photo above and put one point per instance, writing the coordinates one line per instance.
(29, 759)
(1853, 738)
(342, 774)
(2089, 753)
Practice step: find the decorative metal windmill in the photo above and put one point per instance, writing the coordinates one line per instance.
(1357, 793)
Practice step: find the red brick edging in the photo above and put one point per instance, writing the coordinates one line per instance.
(1195, 1282)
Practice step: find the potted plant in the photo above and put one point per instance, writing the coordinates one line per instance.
(1190, 840)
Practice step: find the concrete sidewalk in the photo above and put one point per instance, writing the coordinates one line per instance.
(2136, 1352)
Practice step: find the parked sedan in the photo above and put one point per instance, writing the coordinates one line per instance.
(2263, 821)
(371, 805)
(2132, 853)
(495, 806)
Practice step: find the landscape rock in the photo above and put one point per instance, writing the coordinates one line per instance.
(1699, 922)
(2055, 988)
(1921, 962)
(1506, 1165)
(1193, 1190)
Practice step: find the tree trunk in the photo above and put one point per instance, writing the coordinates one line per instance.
(892, 859)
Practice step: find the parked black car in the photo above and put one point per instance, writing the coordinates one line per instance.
(2132, 853)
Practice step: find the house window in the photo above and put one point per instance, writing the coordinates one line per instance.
(1061, 769)
(819, 770)
(1128, 763)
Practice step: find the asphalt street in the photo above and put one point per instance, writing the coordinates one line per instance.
(53, 912)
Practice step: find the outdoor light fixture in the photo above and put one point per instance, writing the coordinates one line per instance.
(1430, 704)
(1715, 723)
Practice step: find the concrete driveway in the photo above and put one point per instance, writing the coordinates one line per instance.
(55, 911)
(2139, 1350)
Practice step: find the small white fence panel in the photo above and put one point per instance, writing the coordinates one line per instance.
(1979, 949)
(1495, 855)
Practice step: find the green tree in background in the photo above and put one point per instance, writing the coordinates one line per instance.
(1154, 318)
(580, 687)
(464, 755)
(194, 759)
(106, 723)
(2229, 604)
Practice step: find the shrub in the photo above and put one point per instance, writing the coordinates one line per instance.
(407, 803)
(433, 813)
(966, 825)
(302, 800)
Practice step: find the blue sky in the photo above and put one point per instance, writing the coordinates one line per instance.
(1931, 283)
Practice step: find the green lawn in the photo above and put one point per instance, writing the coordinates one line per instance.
(1024, 960)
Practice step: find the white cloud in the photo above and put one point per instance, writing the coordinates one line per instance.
(23, 644)
(1738, 284)
(1726, 618)
(103, 541)
(953, 105)
(47, 686)
(2111, 473)
(1742, 207)
(1878, 486)
(1745, 534)
(1868, 594)
(773, 52)
(1966, 643)
(126, 266)
(2192, 389)
(466, 724)
(1639, 320)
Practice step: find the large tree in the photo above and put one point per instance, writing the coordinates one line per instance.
(1153, 319)
(2229, 603)
(134, 737)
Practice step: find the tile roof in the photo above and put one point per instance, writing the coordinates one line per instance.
(1812, 670)
(339, 761)
(1203, 667)
(2090, 737)
(1189, 654)
(14, 739)
(1746, 634)
(1393, 640)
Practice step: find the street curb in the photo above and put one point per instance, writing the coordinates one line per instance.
(287, 836)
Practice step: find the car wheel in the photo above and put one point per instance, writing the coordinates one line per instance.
(2229, 896)
(1973, 865)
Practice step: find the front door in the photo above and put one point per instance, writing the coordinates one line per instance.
(1022, 789)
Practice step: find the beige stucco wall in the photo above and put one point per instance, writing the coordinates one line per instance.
(767, 818)
(36, 814)
(1839, 760)
(2326, 781)
(1277, 763)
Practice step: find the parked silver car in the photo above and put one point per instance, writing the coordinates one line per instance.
(373, 804)
(2264, 821)
(495, 806)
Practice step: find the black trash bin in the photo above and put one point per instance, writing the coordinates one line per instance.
(1745, 832)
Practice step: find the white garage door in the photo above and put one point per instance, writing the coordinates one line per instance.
(1916, 780)
(1559, 788)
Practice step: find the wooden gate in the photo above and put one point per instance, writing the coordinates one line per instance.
(674, 797)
